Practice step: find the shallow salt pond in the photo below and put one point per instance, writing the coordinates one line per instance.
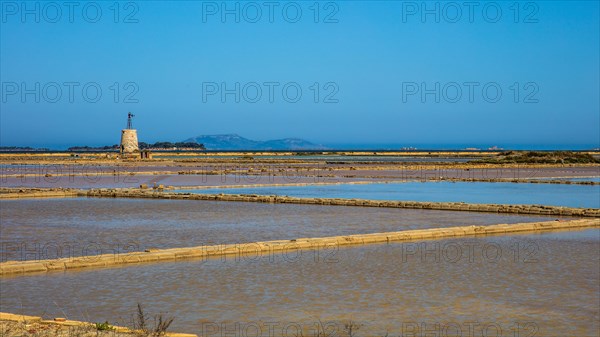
(471, 192)
(51, 228)
(546, 284)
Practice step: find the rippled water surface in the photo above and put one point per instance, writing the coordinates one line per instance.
(50, 228)
(547, 283)
(500, 193)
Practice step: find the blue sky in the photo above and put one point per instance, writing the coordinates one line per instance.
(388, 73)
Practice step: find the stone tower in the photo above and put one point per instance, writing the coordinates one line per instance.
(129, 139)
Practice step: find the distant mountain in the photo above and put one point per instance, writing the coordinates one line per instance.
(235, 142)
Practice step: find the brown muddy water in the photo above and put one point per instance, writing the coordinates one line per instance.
(521, 285)
(51, 228)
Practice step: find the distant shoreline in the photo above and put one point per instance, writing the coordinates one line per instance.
(308, 152)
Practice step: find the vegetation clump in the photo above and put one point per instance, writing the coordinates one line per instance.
(158, 329)
(143, 146)
(541, 157)
(169, 145)
(104, 326)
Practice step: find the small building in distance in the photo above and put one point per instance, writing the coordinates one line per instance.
(146, 154)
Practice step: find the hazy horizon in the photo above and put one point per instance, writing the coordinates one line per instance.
(357, 146)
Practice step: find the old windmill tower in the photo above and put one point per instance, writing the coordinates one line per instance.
(129, 139)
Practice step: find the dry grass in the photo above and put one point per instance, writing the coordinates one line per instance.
(144, 329)
(20, 329)
(142, 325)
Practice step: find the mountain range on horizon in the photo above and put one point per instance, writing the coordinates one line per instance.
(236, 142)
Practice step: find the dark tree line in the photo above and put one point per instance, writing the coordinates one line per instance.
(143, 146)
(169, 145)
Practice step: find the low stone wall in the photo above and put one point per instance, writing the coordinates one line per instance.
(23, 193)
(447, 206)
(15, 193)
(161, 255)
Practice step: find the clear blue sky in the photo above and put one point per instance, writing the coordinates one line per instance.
(378, 56)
